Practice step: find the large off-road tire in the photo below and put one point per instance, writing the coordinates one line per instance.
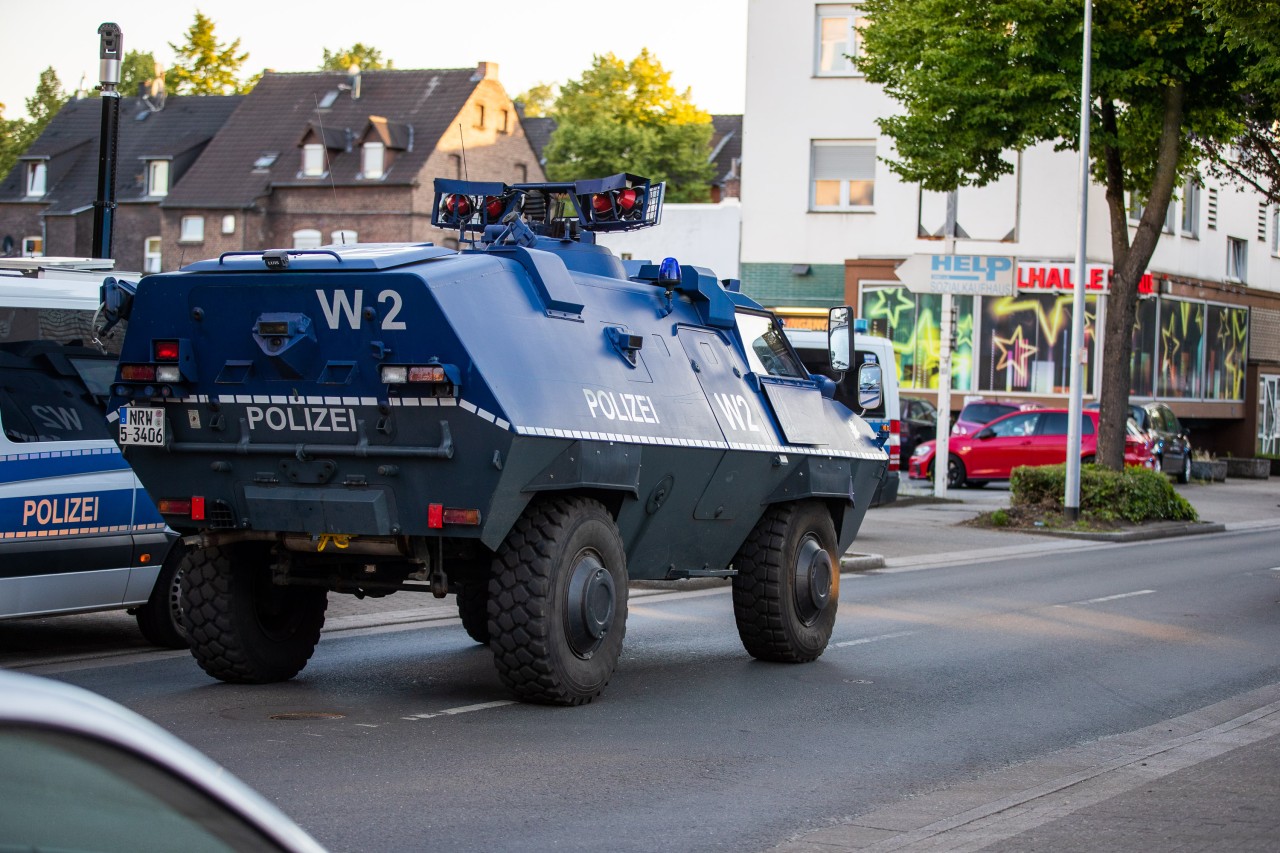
(473, 609)
(787, 588)
(160, 619)
(955, 473)
(558, 602)
(242, 627)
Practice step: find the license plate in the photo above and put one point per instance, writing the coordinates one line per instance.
(141, 426)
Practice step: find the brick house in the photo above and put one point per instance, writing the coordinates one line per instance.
(324, 157)
(46, 200)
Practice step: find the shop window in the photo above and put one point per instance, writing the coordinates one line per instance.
(1226, 352)
(913, 323)
(1025, 344)
(1181, 349)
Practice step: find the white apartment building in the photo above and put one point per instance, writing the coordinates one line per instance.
(825, 222)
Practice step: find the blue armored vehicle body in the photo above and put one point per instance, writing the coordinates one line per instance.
(526, 423)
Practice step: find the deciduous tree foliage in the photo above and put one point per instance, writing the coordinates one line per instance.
(204, 65)
(367, 57)
(538, 100)
(627, 117)
(16, 135)
(978, 78)
(137, 68)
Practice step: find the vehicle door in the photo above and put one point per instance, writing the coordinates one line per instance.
(1174, 445)
(66, 493)
(1001, 446)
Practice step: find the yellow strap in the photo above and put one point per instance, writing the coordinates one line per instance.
(340, 541)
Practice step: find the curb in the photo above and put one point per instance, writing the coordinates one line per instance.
(1159, 530)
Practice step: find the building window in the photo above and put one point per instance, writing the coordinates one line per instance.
(1237, 260)
(837, 39)
(312, 160)
(455, 161)
(192, 229)
(503, 120)
(151, 255)
(158, 177)
(479, 115)
(522, 173)
(372, 155)
(844, 175)
(306, 238)
(1275, 231)
(344, 237)
(1191, 210)
(33, 247)
(37, 174)
(229, 223)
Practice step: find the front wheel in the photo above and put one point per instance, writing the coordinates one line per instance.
(955, 473)
(1184, 476)
(160, 619)
(558, 602)
(787, 588)
(243, 628)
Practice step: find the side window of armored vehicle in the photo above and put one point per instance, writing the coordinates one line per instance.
(39, 404)
(767, 348)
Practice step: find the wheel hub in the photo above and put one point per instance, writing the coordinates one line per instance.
(814, 580)
(590, 604)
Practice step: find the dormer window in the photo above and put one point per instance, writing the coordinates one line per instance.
(157, 177)
(265, 161)
(372, 158)
(312, 160)
(37, 174)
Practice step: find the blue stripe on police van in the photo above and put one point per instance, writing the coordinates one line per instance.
(17, 467)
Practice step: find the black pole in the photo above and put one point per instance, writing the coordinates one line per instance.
(110, 53)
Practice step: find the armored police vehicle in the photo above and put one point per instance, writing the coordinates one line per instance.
(521, 423)
(77, 531)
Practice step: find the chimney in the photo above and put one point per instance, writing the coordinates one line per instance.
(485, 71)
(353, 80)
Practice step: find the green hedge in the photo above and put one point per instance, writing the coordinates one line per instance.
(1134, 494)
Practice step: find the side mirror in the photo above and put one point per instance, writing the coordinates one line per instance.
(839, 337)
(985, 433)
(870, 386)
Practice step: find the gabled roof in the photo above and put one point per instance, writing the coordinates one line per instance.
(70, 145)
(538, 131)
(284, 108)
(726, 146)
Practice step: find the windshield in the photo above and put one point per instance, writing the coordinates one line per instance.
(767, 348)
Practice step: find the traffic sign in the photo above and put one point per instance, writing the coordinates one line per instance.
(977, 275)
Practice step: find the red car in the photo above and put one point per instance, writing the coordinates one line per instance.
(1036, 437)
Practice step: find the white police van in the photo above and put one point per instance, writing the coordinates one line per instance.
(885, 419)
(77, 531)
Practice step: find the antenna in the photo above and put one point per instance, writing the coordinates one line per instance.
(463, 142)
(325, 146)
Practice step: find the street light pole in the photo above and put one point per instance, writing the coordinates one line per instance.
(1075, 406)
(110, 54)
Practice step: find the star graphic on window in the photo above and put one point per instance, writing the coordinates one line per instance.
(1014, 352)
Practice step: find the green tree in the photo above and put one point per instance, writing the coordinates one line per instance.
(16, 135)
(627, 117)
(978, 79)
(137, 68)
(204, 65)
(367, 57)
(538, 100)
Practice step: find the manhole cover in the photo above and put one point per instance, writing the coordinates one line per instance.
(307, 715)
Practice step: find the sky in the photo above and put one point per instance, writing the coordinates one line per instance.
(703, 43)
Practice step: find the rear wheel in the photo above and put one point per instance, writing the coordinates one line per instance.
(558, 602)
(473, 609)
(243, 628)
(1088, 460)
(160, 619)
(787, 588)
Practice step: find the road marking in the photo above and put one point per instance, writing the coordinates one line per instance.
(1275, 569)
(465, 709)
(864, 640)
(1108, 598)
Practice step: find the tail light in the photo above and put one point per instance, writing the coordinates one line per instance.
(138, 372)
(164, 350)
(399, 374)
(895, 445)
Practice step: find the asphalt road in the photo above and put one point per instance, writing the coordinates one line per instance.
(934, 676)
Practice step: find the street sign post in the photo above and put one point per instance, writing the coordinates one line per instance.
(951, 275)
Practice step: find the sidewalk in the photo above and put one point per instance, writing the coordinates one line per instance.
(1203, 781)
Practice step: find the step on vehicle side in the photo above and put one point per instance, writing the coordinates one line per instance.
(521, 423)
(77, 531)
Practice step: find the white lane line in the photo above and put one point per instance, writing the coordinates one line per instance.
(1275, 569)
(465, 709)
(1109, 598)
(864, 640)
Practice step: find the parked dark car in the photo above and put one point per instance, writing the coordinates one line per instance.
(919, 423)
(1170, 440)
